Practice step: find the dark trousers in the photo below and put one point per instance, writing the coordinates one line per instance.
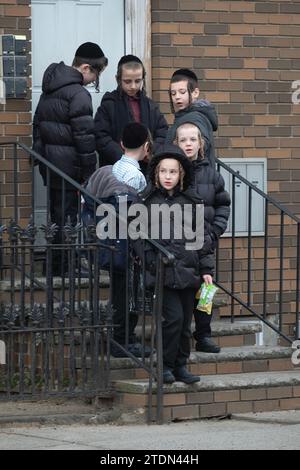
(119, 306)
(202, 324)
(178, 306)
(59, 213)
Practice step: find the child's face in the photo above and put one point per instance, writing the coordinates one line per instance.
(188, 140)
(168, 173)
(132, 80)
(180, 95)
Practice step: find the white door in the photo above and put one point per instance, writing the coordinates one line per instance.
(58, 28)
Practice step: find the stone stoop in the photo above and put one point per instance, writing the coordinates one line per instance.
(242, 378)
(216, 395)
(229, 361)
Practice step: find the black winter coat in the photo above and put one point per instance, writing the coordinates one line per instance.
(189, 265)
(114, 114)
(63, 126)
(210, 187)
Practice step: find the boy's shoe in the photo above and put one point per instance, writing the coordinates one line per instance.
(136, 349)
(207, 345)
(183, 375)
(168, 376)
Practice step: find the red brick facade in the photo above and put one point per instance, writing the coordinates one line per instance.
(246, 55)
(15, 114)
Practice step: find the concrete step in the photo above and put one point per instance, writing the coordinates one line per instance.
(229, 361)
(225, 333)
(216, 396)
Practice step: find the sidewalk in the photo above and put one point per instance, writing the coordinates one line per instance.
(276, 430)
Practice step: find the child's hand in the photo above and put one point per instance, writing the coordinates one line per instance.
(207, 278)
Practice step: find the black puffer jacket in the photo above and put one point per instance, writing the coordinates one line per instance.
(114, 114)
(189, 265)
(210, 187)
(203, 114)
(63, 126)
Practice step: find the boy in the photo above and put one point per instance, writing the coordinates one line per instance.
(63, 132)
(210, 187)
(128, 103)
(135, 143)
(108, 183)
(184, 95)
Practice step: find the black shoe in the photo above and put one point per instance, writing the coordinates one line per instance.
(136, 349)
(207, 345)
(183, 375)
(168, 377)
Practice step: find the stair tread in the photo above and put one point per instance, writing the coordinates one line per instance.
(226, 354)
(217, 382)
(221, 328)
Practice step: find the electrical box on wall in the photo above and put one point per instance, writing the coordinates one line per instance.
(255, 171)
(13, 65)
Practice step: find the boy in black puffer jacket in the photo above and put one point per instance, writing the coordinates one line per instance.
(63, 133)
(184, 95)
(170, 174)
(128, 103)
(209, 185)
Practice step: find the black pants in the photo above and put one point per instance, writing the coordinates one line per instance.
(178, 306)
(119, 306)
(59, 215)
(202, 324)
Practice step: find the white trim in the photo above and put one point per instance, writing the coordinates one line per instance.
(2, 353)
(138, 33)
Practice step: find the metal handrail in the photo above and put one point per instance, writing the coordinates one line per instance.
(283, 212)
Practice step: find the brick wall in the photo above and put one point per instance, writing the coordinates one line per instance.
(246, 55)
(15, 115)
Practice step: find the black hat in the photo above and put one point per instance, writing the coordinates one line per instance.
(134, 135)
(129, 58)
(186, 73)
(89, 50)
(172, 151)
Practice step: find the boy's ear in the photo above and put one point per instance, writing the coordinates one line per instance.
(196, 94)
(84, 68)
(122, 146)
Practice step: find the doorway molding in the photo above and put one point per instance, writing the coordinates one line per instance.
(138, 34)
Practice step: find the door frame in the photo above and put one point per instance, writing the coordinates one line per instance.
(138, 34)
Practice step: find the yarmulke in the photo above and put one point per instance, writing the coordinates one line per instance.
(129, 58)
(186, 73)
(89, 50)
(134, 135)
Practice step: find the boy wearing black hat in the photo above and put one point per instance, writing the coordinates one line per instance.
(184, 95)
(63, 132)
(128, 103)
(170, 177)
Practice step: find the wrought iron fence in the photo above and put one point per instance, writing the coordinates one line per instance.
(59, 327)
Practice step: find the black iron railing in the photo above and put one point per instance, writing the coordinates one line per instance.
(262, 277)
(59, 329)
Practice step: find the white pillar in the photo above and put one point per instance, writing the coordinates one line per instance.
(138, 34)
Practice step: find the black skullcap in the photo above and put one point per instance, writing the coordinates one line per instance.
(134, 135)
(89, 50)
(129, 58)
(186, 73)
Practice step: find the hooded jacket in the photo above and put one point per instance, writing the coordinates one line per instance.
(210, 186)
(203, 114)
(189, 265)
(114, 114)
(104, 186)
(63, 126)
